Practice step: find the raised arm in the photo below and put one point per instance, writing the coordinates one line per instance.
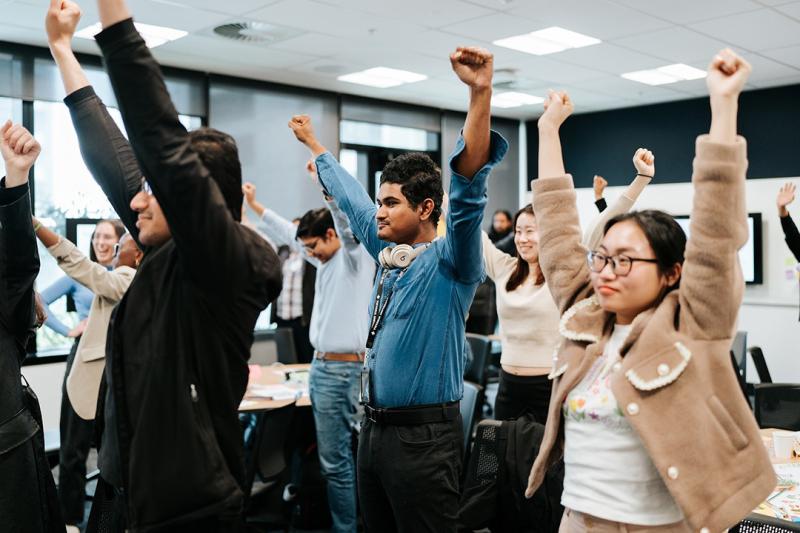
(711, 284)
(350, 196)
(495, 260)
(211, 243)
(561, 254)
(790, 233)
(104, 148)
(476, 152)
(599, 185)
(19, 258)
(645, 164)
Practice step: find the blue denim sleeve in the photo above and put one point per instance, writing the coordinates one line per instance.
(353, 200)
(462, 249)
(61, 287)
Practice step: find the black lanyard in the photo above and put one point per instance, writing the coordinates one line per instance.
(378, 310)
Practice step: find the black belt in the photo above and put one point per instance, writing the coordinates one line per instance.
(409, 416)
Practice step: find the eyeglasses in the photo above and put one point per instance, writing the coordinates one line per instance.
(620, 264)
(146, 188)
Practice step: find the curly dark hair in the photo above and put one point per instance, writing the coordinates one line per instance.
(419, 178)
(220, 155)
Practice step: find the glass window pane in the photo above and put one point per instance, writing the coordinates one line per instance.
(10, 108)
(369, 134)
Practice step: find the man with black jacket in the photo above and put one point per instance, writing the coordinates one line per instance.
(171, 454)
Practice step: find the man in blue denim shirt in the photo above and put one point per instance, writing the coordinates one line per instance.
(409, 455)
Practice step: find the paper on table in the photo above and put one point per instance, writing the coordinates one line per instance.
(274, 392)
(785, 500)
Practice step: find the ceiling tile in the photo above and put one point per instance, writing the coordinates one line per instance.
(229, 7)
(432, 14)
(598, 18)
(756, 30)
(174, 15)
(686, 11)
(789, 55)
(217, 48)
(792, 10)
(493, 27)
(609, 58)
(765, 68)
(675, 44)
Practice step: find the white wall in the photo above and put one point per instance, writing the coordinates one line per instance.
(770, 311)
(46, 380)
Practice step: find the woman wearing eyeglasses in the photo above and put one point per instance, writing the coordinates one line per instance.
(646, 409)
(105, 276)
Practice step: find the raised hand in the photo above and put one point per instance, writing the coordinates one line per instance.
(474, 66)
(249, 192)
(557, 107)
(599, 184)
(645, 162)
(311, 169)
(785, 197)
(61, 21)
(727, 74)
(19, 150)
(304, 131)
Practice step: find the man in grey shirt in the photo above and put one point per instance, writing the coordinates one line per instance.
(338, 333)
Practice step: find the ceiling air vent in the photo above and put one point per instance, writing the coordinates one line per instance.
(253, 32)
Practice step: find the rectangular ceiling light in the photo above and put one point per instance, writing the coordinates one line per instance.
(382, 77)
(547, 41)
(153, 35)
(667, 74)
(515, 99)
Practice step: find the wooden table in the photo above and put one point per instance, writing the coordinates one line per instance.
(273, 375)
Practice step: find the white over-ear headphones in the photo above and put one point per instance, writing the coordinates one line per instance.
(400, 256)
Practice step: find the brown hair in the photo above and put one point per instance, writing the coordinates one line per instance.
(522, 269)
(119, 229)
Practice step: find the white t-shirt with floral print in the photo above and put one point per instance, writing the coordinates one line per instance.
(608, 472)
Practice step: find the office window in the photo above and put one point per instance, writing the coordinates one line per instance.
(65, 189)
(10, 108)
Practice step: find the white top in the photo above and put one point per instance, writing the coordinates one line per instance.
(608, 472)
(528, 315)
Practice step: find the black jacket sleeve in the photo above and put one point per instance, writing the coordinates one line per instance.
(601, 204)
(211, 244)
(19, 262)
(107, 153)
(791, 235)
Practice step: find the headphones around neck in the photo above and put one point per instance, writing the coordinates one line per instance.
(400, 256)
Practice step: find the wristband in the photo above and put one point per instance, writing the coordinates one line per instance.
(645, 176)
(37, 227)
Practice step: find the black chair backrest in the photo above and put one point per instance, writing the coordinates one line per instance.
(481, 348)
(757, 523)
(468, 408)
(739, 351)
(287, 351)
(777, 405)
(760, 363)
(269, 457)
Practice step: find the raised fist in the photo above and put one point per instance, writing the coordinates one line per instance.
(727, 74)
(599, 184)
(19, 149)
(61, 21)
(302, 129)
(249, 192)
(311, 169)
(645, 162)
(474, 66)
(785, 197)
(557, 107)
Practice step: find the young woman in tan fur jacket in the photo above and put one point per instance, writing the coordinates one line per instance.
(646, 410)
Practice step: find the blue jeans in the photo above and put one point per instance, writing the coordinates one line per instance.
(334, 388)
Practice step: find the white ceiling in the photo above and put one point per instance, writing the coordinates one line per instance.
(341, 36)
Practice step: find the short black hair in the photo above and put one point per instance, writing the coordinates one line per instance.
(220, 155)
(315, 223)
(665, 235)
(506, 213)
(419, 178)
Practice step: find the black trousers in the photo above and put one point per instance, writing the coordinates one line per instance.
(517, 395)
(305, 352)
(408, 477)
(76, 439)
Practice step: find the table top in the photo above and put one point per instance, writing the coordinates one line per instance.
(277, 374)
(784, 502)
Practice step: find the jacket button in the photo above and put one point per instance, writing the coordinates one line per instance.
(672, 472)
(617, 366)
(633, 408)
(663, 369)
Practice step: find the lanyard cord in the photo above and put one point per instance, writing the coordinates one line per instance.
(378, 308)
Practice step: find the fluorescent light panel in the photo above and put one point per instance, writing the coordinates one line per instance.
(547, 41)
(666, 74)
(382, 77)
(153, 35)
(515, 99)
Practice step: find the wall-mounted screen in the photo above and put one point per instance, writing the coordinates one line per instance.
(750, 256)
